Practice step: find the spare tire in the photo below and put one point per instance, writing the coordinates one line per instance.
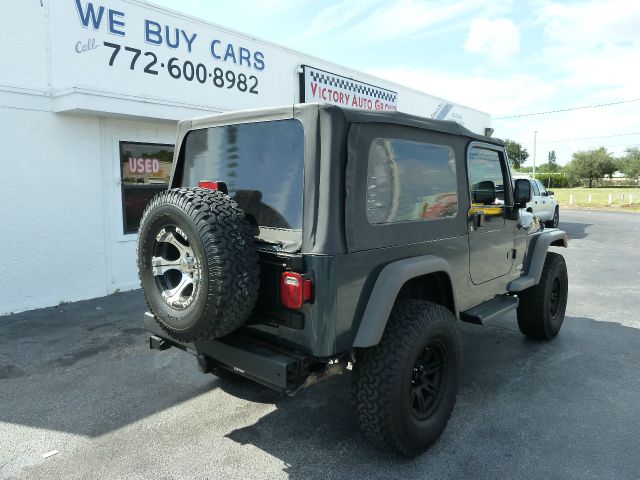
(197, 263)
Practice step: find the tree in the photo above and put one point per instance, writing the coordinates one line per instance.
(630, 164)
(552, 165)
(517, 155)
(549, 167)
(591, 165)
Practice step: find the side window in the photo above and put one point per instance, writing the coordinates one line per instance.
(486, 177)
(543, 191)
(409, 181)
(536, 190)
(145, 169)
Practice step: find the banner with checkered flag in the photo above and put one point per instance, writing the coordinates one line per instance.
(325, 87)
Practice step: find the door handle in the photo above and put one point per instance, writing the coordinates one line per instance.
(478, 219)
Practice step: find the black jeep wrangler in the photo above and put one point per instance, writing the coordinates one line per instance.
(297, 241)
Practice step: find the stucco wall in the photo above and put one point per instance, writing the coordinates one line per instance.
(24, 46)
(53, 245)
(61, 209)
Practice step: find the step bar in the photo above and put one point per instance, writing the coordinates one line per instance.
(491, 310)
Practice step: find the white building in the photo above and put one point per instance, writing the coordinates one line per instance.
(90, 93)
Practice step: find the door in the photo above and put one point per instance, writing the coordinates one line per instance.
(536, 205)
(546, 209)
(491, 231)
(136, 162)
(539, 200)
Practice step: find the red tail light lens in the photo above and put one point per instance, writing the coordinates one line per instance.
(220, 186)
(295, 290)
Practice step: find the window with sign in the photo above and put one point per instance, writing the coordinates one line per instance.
(145, 170)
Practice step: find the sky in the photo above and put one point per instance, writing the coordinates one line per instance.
(503, 57)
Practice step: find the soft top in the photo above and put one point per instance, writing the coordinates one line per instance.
(350, 115)
(399, 118)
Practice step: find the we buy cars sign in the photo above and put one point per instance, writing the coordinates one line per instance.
(325, 87)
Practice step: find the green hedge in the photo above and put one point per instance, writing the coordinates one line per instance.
(556, 180)
(562, 180)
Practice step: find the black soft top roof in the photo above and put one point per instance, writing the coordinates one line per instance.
(350, 116)
(399, 118)
(323, 230)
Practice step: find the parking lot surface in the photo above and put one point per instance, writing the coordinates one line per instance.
(80, 379)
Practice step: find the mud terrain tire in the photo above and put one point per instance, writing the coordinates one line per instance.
(197, 263)
(542, 307)
(405, 388)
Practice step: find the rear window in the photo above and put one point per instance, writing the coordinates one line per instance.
(262, 164)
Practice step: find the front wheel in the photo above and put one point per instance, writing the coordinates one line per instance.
(405, 387)
(541, 308)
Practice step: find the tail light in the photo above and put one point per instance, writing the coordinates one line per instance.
(295, 290)
(220, 186)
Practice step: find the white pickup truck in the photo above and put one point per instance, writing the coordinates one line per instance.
(543, 204)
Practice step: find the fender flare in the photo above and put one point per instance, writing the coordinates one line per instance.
(536, 255)
(385, 291)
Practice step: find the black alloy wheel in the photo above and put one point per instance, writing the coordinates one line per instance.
(541, 308)
(405, 388)
(428, 380)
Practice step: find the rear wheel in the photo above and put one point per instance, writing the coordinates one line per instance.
(555, 221)
(406, 386)
(541, 308)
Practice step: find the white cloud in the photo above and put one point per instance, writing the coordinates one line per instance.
(493, 94)
(393, 19)
(591, 23)
(611, 66)
(336, 16)
(594, 45)
(407, 17)
(499, 39)
(527, 93)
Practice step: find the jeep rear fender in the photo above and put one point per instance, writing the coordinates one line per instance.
(385, 291)
(536, 255)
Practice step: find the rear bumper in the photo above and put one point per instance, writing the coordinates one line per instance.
(278, 369)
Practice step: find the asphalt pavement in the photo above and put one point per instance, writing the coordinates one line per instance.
(79, 379)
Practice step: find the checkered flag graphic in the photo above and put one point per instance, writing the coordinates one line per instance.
(352, 86)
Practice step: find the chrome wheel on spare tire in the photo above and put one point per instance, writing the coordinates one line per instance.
(197, 263)
(176, 268)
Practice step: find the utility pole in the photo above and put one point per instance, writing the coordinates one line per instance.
(535, 138)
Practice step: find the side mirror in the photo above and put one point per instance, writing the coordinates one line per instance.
(550, 193)
(484, 193)
(523, 193)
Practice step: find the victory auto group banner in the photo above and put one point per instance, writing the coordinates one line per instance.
(325, 87)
